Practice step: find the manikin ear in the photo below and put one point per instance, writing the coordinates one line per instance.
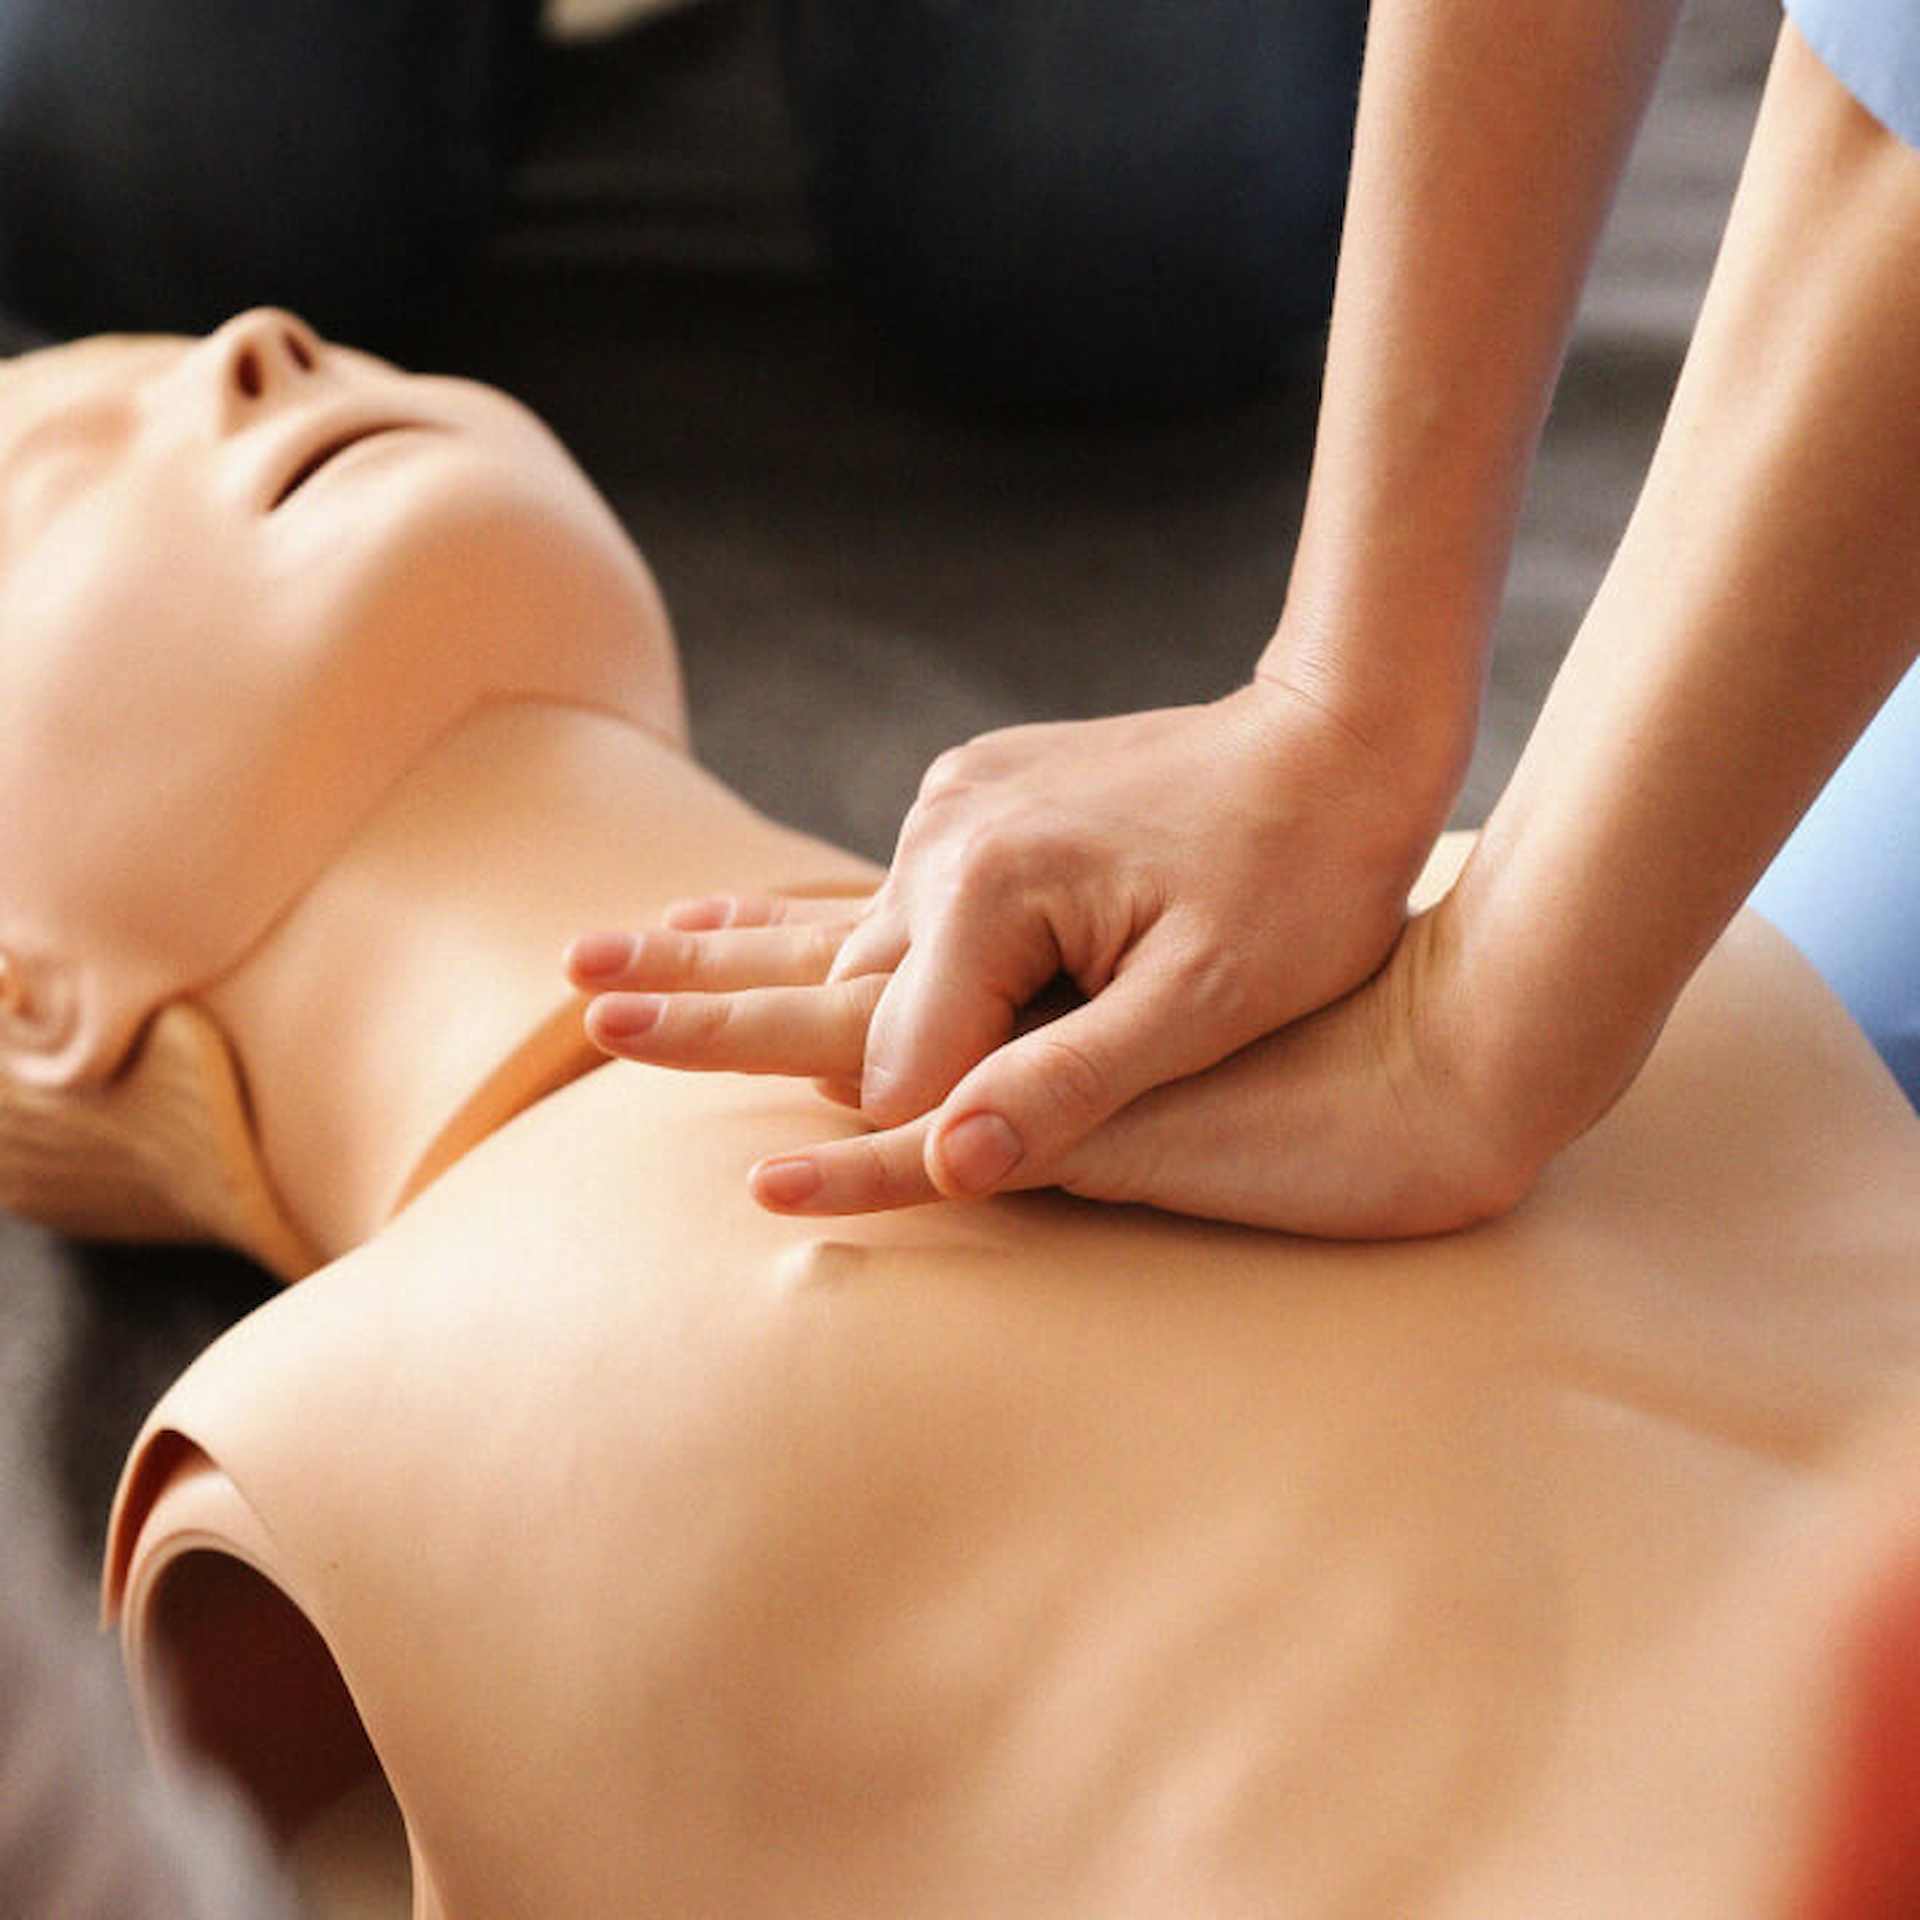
(48, 1035)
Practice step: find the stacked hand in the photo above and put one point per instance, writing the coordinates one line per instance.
(1261, 1036)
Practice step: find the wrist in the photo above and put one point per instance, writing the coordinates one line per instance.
(1371, 810)
(1403, 769)
(1408, 689)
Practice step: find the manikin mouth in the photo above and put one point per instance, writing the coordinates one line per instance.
(331, 450)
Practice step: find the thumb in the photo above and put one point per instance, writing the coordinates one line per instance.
(1026, 1107)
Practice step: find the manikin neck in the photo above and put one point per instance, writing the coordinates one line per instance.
(431, 952)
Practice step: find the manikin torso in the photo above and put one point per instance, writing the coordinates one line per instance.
(1024, 1558)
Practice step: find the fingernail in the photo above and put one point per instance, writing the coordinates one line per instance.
(980, 1152)
(699, 916)
(785, 1183)
(599, 956)
(626, 1016)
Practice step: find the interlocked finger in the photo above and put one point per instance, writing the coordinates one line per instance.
(797, 954)
(713, 912)
(807, 1030)
(875, 944)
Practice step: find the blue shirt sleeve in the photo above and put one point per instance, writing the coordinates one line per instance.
(1873, 49)
(1846, 888)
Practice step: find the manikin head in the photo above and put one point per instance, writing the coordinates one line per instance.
(245, 584)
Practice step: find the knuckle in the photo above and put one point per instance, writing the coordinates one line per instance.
(957, 779)
(988, 859)
(878, 1181)
(692, 962)
(949, 773)
(1219, 992)
(1071, 1084)
(712, 1018)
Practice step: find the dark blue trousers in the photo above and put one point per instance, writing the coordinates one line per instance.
(1089, 202)
(1084, 201)
(166, 162)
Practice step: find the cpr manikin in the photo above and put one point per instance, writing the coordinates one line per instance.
(582, 1540)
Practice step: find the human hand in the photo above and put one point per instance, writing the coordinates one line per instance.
(1203, 875)
(1369, 1119)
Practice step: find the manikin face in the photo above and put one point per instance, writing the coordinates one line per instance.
(245, 583)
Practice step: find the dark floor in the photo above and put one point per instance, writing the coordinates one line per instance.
(862, 574)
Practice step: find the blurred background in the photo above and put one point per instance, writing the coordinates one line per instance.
(953, 363)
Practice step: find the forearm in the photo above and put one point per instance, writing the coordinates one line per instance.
(1764, 601)
(1490, 138)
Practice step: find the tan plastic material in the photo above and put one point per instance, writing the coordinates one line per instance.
(289, 572)
(1033, 1559)
(651, 1554)
(555, 1053)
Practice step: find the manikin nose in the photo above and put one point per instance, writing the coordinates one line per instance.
(259, 357)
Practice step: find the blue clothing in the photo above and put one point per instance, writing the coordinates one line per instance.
(1873, 48)
(1846, 888)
